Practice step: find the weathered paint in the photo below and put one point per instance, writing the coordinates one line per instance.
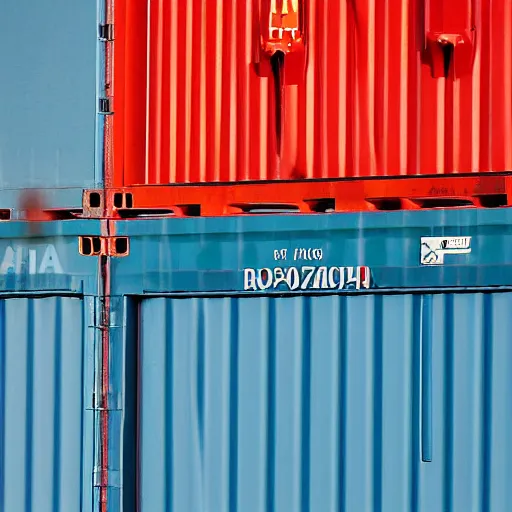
(46, 417)
(377, 402)
(48, 98)
(47, 260)
(205, 255)
(403, 87)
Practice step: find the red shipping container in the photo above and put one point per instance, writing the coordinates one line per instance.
(235, 90)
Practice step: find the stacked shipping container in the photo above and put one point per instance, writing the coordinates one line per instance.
(48, 102)
(275, 90)
(248, 394)
(248, 362)
(384, 89)
(232, 392)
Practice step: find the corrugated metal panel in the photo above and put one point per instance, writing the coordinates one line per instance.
(190, 106)
(45, 434)
(47, 96)
(391, 403)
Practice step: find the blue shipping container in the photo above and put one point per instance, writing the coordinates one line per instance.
(239, 395)
(48, 99)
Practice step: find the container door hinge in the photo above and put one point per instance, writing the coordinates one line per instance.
(113, 478)
(116, 246)
(105, 106)
(106, 32)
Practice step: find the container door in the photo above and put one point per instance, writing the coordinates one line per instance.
(45, 435)
(392, 403)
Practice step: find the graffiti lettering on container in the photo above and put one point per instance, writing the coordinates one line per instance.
(35, 260)
(307, 278)
(300, 254)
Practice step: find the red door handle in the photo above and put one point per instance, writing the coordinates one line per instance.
(282, 28)
(449, 37)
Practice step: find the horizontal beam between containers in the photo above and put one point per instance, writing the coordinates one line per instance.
(318, 196)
